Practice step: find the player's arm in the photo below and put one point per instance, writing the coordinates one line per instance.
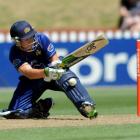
(124, 12)
(54, 58)
(49, 51)
(33, 73)
(30, 72)
(123, 9)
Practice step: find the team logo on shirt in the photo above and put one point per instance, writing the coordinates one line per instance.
(50, 48)
(38, 52)
(16, 62)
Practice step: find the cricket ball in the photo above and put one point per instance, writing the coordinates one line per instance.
(72, 82)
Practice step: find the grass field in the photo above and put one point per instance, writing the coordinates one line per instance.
(100, 132)
(110, 102)
(68, 14)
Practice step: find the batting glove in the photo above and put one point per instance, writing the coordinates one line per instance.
(53, 74)
(55, 64)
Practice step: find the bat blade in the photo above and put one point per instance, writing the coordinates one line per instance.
(84, 51)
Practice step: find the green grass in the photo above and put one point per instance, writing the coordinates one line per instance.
(108, 132)
(109, 101)
(68, 14)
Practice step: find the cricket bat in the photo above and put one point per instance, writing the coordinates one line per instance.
(83, 52)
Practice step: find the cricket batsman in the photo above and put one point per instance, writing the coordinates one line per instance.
(35, 58)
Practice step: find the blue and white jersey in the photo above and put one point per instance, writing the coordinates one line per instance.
(39, 58)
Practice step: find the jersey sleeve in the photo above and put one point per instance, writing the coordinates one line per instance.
(15, 58)
(47, 46)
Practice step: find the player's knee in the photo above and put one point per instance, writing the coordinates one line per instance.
(72, 82)
(68, 76)
(88, 110)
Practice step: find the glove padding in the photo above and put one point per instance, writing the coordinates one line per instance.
(55, 64)
(53, 74)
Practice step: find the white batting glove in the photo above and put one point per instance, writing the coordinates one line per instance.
(55, 64)
(53, 74)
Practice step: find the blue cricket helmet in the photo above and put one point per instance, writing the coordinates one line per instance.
(22, 30)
